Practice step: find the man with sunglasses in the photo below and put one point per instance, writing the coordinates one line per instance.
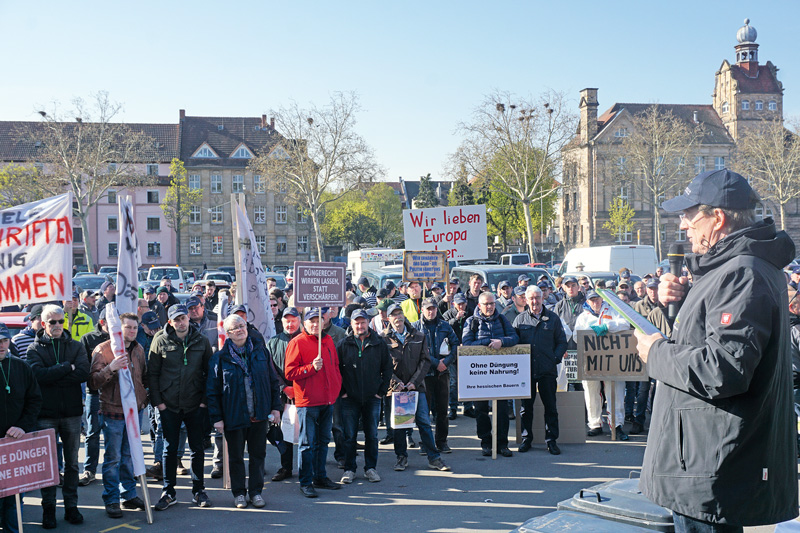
(722, 450)
(60, 365)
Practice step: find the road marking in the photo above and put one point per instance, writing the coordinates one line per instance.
(126, 526)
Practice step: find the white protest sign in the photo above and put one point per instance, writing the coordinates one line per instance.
(486, 374)
(129, 261)
(459, 230)
(253, 280)
(36, 251)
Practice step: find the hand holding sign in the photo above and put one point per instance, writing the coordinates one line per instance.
(119, 362)
(317, 363)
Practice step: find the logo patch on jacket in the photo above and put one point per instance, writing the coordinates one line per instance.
(726, 319)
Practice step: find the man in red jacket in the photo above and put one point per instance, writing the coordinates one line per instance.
(317, 383)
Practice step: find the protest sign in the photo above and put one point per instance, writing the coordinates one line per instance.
(425, 266)
(319, 284)
(611, 357)
(36, 251)
(129, 260)
(28, 463)
(252, 279)
(459, 230)
(404, 409)
(486, 374)
(570, 361)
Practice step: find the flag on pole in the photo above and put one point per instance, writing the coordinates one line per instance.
(221, 316)
(253, 279)
(128, 261)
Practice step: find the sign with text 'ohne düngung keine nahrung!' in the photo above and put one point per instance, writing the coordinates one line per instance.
(486, 374)
(459, 230)
(612, 356)
(319, 284)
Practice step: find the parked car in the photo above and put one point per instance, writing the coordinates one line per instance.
(640, 259)
(91, 282)
(201, 284)
(230, 270)
(218, 275)
(494, 274)
(595, 276)
(280, 279)
(515, 259)
(377, 277)
(14, 321)
(107, 270)
(190, 277)
(175, 273)
(281, 269)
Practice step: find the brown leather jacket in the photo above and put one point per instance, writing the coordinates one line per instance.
(103, 379)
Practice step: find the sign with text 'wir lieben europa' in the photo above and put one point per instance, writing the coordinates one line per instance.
(319, 284)
(459, 230)
(613, 357)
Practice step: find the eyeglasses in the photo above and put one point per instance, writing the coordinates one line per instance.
(690, 221)
(54, 322)
(274, 305)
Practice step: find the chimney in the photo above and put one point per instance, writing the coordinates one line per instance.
(272, 123)
(182, 114)
(263, 121)
(588, 107)
(694, 117)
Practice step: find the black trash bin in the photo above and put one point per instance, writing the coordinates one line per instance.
(560, 521)
(620, 501)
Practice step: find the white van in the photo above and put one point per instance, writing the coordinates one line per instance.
(371, 259)
(640, 259)
(175, 274)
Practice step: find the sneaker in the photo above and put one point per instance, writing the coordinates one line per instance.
(444, 448)
(240, 501)
(594, 432)
(134, 504)
(308, 491)
(372, 475)
(281, 474)
(553, 448)
(181, 470)
(621, 435)
(422, 451)
(165, 502)
(49, 517)
(325, 483)
(73, 516)
(258, 501)
(486, 452)
(340, 464)
(216, 472)
(636, 429)
(60, 480)
(201, 499)
(348, 477)
(411, 443)
(156, 471)
(470, 412)
(629, 418)
(438, 464)
(505, 452)
(113, 510)
(401, 464)
(86, 478)
(453, 414)
(525, 446)
(387, 440)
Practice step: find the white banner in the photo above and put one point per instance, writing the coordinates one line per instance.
(253, 280)
(127, 392)
(459, 230)
(36, 251)
(222, 306)
(129, 259)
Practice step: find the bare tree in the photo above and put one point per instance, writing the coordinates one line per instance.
(654, 156)
(515, 145)
(770, 156)
(179, 200)
(320, 152)
(83, 151)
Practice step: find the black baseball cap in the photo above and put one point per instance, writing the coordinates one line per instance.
(718, 188)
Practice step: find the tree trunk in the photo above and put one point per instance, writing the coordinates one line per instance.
(526, 211)
(656, 228)
(87, 247)
(178, 227)
(783, 216)
(318, 236)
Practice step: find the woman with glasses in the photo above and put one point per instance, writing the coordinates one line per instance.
(243, 399)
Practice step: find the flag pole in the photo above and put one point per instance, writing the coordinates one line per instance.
(19, 511)
(147, 508)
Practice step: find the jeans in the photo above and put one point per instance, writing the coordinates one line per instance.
(315, 435)
(638, 392)
(94, 423)
(686, 524)
(453, 385)
(255, 437)
(171, 426)
(484, 424)
(338, 432)
(368, 412)
(118, 478)
(437, 390)
(547, 393)
(69, 430)
(423, 422)
(8, 514)
(158, 445)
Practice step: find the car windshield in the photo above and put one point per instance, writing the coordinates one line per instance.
(511, 277)
(158, 273)
(89, 282)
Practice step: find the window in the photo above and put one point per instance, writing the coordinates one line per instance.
(112, 197)
(623, 192)
(153, 249)
(152, 197)
(194, 181)
(195, 246)
(238, 183)
(575, 201)
(242, 153)
(77, 234)
(216, 183)
(663, 232)
(621, 132)
(112, 167)
(626, 236)
(725, 107)
(621, 161)
(152, 170)
(153, 224)
(216, 245)
(280, 214)
(719, 163)
(281, 186)
(195, 214)
(280, 245)
(302, 244)
(772, 105)
(216, 215)
(112, 249)
(260, 214)
(301, 215)
(261, 241)
(763, 211)
(204, 151)
(759, 105)
(699, 164)
(258, 184)
(680, 235)
(566, 203)
(112, 223)
(745, 105)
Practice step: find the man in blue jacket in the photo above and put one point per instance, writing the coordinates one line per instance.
(487, 327)
(442, 346)
(542, 329)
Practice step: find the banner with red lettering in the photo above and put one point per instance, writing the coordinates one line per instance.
(459, 230)
(36, 251)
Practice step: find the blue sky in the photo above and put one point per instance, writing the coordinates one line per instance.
(419, 67)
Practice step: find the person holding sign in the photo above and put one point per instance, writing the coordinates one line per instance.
(20, 403)
(542, 329)
(601, 319)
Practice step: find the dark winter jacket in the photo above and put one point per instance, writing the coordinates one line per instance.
(20, 405)
(410, 360)
(722, 442)
(51, 361)
(436, 332)
(227, 397)
(456, 323)
(479, 330)
(366, 367)
(548, 342)
(156, 307)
